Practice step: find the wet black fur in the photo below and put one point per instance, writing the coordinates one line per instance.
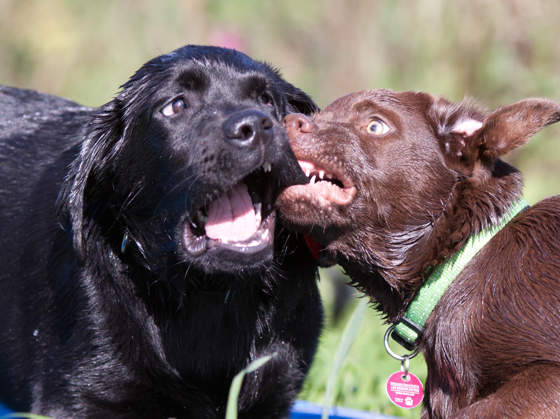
(89, 330)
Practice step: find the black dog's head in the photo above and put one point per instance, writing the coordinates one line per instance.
(185, 164)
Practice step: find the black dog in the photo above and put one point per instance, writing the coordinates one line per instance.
(140, 269)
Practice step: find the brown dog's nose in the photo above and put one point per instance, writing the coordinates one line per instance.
(297, 124)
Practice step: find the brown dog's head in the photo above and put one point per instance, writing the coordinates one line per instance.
(398, 181)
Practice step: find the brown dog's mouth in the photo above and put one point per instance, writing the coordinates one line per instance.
(326, 185)
(241, 219)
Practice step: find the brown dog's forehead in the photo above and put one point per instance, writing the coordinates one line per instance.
(351, 103)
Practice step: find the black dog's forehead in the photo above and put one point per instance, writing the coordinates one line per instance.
(200, 61)
(199, 76)
(199, 68)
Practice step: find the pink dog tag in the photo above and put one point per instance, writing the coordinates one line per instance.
(406, 393)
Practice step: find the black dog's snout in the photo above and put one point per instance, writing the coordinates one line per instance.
(246, 127)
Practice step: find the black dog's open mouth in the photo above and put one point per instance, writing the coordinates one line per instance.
(241, 219)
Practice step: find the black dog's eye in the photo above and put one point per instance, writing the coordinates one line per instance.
(378, 127)
(266, 99)
(174, 107)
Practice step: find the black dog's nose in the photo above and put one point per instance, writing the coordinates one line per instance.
(247, 126)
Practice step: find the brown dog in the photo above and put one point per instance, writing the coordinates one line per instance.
(398, 184)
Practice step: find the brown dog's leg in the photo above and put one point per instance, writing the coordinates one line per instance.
(533, 393)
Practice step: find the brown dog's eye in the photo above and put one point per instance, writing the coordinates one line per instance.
(378, 127)
(174, 107)
(266, 99)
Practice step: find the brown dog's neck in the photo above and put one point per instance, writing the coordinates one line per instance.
(392, 270)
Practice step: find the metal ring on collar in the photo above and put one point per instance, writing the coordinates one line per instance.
(389, 350)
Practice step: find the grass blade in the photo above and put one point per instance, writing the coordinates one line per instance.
(235, 388)
(348, 337)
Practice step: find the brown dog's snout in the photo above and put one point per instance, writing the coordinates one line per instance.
(297, 124)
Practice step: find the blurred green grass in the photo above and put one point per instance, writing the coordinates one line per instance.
(496, 51)
(363, 376)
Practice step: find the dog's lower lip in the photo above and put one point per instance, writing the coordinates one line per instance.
(324, 193)
(195, 245)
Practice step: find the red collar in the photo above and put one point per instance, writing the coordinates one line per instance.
(313, 245)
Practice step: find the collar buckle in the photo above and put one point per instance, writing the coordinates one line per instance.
(403, 358)
(406, 333)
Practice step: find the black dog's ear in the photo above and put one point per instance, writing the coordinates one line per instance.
(298, 100)
(91, 170)
(511, 126)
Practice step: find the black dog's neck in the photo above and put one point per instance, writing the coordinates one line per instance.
(166, 320)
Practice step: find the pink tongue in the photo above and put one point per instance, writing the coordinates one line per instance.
(232, 217)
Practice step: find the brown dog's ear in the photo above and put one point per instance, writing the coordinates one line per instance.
(460, 145)
(457, 126)
(511, 126)
(467, 136)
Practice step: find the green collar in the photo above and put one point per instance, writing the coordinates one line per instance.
(409, 328)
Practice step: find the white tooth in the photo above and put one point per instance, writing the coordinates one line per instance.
(312, 180)
(307, 172)
(258, 214)
(321, 174)
(267, 167)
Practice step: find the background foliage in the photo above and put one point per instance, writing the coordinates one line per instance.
(496, 51)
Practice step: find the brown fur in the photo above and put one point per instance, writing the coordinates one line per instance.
(421, 189)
